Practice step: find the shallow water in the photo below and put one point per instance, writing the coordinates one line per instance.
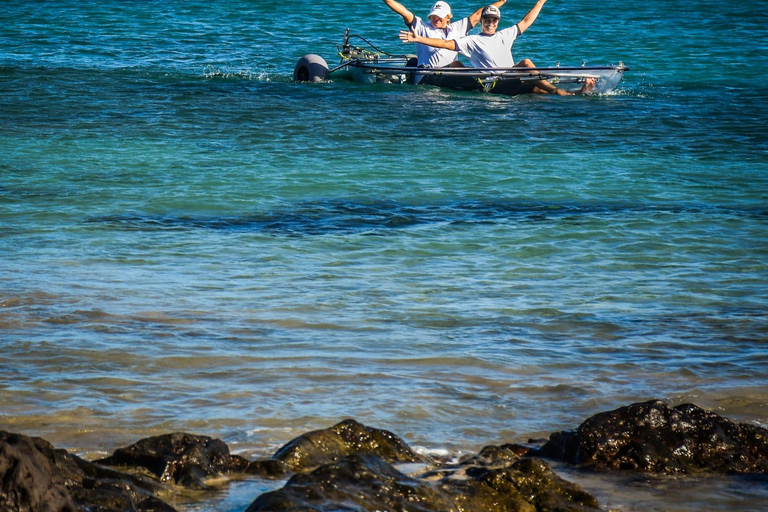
(190, 241)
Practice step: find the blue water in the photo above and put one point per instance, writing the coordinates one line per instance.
(191, 241)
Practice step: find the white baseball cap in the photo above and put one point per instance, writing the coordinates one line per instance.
(440, 9)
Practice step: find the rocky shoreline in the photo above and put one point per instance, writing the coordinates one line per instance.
(353, 467)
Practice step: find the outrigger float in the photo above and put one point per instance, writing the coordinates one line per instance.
(373, 66)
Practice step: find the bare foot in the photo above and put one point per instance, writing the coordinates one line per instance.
(589, 84)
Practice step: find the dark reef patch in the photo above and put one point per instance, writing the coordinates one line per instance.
(353, 467)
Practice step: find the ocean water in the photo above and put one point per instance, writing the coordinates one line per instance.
(191, 241)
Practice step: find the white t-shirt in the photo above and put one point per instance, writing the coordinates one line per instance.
(486, 51)
(438, 57)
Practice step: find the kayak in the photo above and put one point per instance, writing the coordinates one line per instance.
(372, 66)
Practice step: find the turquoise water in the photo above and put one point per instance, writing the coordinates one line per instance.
(191, 241)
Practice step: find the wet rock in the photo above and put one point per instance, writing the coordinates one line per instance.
(116, 495)
(490, 456)
(503, 455)
(349, 437)
(354, 483)
(29, 477)
(187, 459)
(362, 483)
(270, 469)
(34, 477)
(499, 478)
(526, 485)
(652, 437)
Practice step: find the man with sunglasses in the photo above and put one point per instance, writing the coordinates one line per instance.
(439, 27)
(493, 48)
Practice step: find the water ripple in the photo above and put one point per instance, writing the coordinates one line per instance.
(318, 218)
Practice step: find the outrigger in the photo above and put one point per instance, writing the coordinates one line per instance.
(373, 66)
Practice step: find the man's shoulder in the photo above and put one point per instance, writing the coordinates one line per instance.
(462, 24)
(509, 31)
(417, 22)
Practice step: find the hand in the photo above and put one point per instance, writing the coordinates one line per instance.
(409, 36)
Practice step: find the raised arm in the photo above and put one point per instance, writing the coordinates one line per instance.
(474, 18)
(401, 10)
(409, 36)
(529, 18)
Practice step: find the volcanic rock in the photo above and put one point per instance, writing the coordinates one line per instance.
(349, 437)
(353, 483)
(363, 483)
(188, 460)
(36, 477)
(652, 437)
(526, 485)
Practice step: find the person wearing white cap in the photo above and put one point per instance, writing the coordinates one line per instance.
(493, 48)
(439, 27)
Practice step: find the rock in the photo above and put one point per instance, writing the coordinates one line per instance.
(354, 483)
(362, 483)
(503, 455)
(30, 480)
(349, 437)
(651, 437)
(267, 468)
(36, 477)
(490, 456)
(528, 485)
(116, 495)
(186, 459)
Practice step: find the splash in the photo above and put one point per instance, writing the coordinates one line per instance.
(217, 73)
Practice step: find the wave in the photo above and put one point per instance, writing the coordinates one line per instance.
(317, 218)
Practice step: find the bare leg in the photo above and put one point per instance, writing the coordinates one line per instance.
(539, 86)
(545, 87)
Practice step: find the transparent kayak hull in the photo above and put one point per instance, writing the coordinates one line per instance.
(510, 81)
